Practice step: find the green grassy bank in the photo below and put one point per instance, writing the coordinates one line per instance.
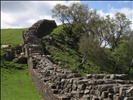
(15, 80)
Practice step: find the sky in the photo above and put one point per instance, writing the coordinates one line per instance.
(22, 14)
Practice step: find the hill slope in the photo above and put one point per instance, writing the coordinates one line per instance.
(65, 55)
(15, 81)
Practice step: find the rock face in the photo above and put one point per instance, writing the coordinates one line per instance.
(42, 27)
(55, 83)
(15, 54)
(21, 60)
(9, 55)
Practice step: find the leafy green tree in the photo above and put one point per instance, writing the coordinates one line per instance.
(116, 28)
(90, 49)
(123, 56)
(75, 14)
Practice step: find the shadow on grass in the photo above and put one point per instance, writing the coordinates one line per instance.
(12, 65)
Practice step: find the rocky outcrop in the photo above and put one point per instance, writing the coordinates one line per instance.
(55, 83)
(42, 27)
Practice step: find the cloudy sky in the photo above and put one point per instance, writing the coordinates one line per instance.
(22, 14)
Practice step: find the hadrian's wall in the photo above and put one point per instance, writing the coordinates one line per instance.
(55, 83)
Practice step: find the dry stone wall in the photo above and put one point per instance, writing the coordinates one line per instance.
(55, 83)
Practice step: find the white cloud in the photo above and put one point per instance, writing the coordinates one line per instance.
(25, 13)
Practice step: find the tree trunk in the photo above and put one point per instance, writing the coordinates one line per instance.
(83, 61)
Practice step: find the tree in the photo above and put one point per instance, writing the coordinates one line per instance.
(61, 12)
(117, 28)
(75, 14)
(123, 56)
(90, 48)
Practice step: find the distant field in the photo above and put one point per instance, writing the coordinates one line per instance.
(15, 80)
(11, 36)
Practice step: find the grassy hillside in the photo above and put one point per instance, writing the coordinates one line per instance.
(66, 56)
(15, 80)
(63, 53)
(11, 36)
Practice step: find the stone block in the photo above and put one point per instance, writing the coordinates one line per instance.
(65, 98)
(110, 95)
(118, 97)
(85, 97)
(89, 76)
(129, 92)
(104, 94)
(54, 91)
(95, 98)
(128, 98)
(122, 91)
(82, 86)
(86, 91)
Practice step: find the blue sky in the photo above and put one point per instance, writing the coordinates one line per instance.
(106, 5)
(21, 14)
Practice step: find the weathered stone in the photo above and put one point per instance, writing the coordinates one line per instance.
(104, 88)
(100, 81)
(9, 56)
(105, 94)
(89, 76)
(82, 81)
(106, 77)
(129, 92)
(50, 68)
(113, 76)
(122, 76)
(82, 86)
(42, 27)
(116, 89)
(110, 90)
(74, 87)
(85, 97)
(65, 98)
(20, 59)
(117, 97)
(128, 98)
(86, 91)
(70, 76)
(99, 76)
(54, 91)
(95, 98)
(110, 95)
(123, 91)
(77, 75)
(5, 46)
(53, 86)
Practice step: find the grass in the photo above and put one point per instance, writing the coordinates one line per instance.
(11, 36)
(16, 83)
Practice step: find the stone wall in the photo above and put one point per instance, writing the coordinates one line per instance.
(55, 83)
(40, 85)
